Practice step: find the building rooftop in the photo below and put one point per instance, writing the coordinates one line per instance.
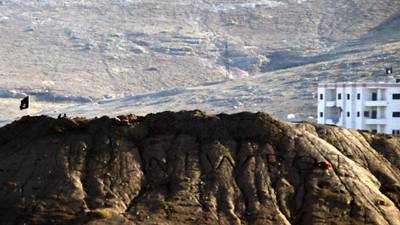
(359, 84)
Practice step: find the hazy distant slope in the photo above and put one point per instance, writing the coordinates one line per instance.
(97, 49)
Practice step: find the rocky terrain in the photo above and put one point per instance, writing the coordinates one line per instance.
(192, 168)
(64, 53)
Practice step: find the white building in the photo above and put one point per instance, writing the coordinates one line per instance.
(364, 106)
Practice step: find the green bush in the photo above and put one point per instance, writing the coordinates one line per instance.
(103, 213)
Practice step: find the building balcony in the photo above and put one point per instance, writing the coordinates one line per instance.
(376, 103)
(377, 121)
(330, 103)
(331, 121)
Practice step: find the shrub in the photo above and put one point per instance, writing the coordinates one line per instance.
(102, 213)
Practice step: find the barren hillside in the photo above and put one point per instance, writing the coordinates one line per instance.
(75, 52)
(193, 168)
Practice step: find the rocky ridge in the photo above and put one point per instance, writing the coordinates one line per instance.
(192, 168)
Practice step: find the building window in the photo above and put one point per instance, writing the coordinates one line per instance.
(348, 96)
(339, 96)
(321, 114)
(358, 114)
(366, 113)
(396, 96)
(374, 96)
(358, 96)
(374, 131)
(348, 114)
(374, 114)
(396, 114)
(321, 96)
(396, 132)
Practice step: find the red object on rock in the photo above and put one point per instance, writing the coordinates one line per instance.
(324, 165)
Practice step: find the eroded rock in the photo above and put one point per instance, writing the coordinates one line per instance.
(191, 168)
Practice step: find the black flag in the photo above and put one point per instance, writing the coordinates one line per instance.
(389, 70)
(24, 103)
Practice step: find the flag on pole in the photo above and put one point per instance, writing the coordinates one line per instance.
(24, 103)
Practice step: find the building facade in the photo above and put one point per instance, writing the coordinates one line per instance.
(364, 106)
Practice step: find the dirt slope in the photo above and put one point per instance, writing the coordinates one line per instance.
(192, 168)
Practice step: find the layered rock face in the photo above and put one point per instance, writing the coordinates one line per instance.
(192, 168)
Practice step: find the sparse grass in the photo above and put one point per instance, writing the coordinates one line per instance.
(102, 213)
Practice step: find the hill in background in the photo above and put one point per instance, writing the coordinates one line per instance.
(260, 53)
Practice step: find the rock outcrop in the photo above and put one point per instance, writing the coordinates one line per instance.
(192, 168)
